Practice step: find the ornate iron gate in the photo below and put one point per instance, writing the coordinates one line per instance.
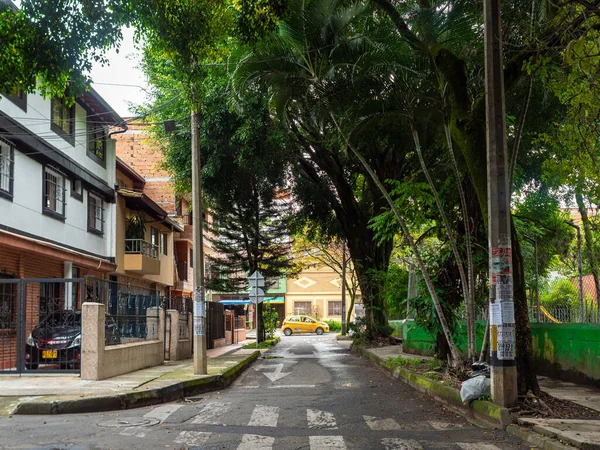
(40, 324)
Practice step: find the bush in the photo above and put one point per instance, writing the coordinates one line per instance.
(270, 321)
(334, 325)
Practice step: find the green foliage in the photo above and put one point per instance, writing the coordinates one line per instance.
(561, 293)
(136, 227)
(396, 290)
(269, 343)
(270, 320)
(334, 325)
(51, 46)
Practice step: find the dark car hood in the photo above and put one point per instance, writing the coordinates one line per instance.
(62, 333)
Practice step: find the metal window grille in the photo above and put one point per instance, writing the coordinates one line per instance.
(6, 167)
(334, 308)
(55, 191)
(95, 213)
(7, 302)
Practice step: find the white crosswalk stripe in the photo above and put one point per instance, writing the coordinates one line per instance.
(192, 438)
(163, 412)
(256, 442)
(320, 419)
(477, 446)
(401, 444)
(326, 443)
(211, 413)
(377, 424)
(264, 416)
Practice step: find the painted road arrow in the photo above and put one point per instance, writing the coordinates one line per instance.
(274, 376)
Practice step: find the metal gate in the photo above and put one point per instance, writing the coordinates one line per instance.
(215, 323)
(40, 325)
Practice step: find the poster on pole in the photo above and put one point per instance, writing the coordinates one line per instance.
(506, 342)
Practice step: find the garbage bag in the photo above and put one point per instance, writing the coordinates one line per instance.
(473, 388)
(478, 369)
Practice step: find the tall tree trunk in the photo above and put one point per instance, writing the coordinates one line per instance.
(456, 360)
(589, 243)
(369, 260)
(470, 299)
(526, 379)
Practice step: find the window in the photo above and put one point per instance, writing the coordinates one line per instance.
(7, 305)
(191, 257)
(7, 168)
(163, 243)
(96, 143)
(154, 237)
(63, 119)
(302, 307)
(95, 214)
(274, 283)
(54, 192)
(19, 97)
(76, 189)
(334, 308)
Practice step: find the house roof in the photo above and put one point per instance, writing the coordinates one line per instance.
(139, 201)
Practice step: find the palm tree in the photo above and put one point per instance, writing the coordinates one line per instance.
(319, 73)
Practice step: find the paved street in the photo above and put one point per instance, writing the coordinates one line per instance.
(310, 393)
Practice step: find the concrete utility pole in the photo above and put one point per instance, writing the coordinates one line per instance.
(344, 325)
(502, 314)
(200, 366)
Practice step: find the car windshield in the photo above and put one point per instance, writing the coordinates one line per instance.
(62, 318)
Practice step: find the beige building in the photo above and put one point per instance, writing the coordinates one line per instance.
(144, 236)
(316, 292)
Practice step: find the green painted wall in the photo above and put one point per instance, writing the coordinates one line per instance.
(569, 352)
(417, 340)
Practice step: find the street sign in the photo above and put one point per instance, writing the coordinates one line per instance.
(257, 295)
(256, 280)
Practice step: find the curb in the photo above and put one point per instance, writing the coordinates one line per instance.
(486, 412)
(534, 439)
(130, 400)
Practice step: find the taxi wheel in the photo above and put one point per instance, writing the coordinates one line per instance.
(287, 332)
(319, 331)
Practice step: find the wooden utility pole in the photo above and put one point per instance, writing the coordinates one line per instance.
(502, 315)
(200, 366)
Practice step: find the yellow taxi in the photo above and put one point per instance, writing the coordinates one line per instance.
(303, 324)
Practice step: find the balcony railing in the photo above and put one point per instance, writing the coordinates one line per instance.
(141, 247)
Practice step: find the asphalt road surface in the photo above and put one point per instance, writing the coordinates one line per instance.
(309, 393)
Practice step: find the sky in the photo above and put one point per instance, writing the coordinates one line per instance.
(122, 70)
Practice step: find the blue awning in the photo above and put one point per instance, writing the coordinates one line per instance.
(247, 301)
(235, 302)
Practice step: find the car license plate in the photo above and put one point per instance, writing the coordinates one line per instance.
(49, 354)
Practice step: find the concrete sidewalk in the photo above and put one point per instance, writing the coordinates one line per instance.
(68, 393)
(546, 434)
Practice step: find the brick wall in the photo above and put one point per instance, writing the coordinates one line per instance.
(137, 150)
(15, 263)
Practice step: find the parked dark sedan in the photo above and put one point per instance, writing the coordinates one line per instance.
(57, 340)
